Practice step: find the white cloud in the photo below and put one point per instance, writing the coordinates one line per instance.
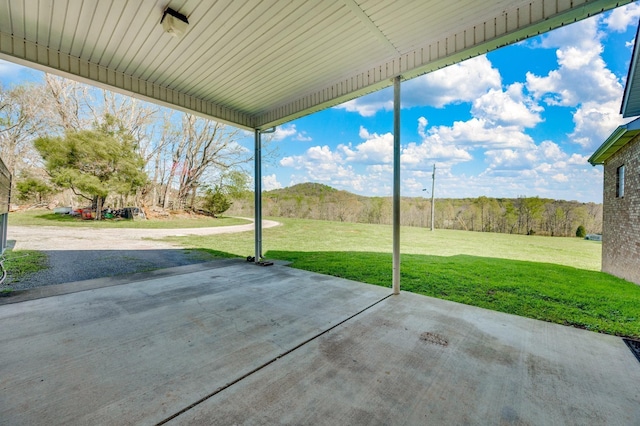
(582, 80)
(316, 154)
(366, 166)
(622, 17)
(457, 185)
(583, 34)
(576, 81)
(303, 137)
(582, 75)
(534, 156)
(375, 149)
(369, 105)
(545, 170)
(283, 132)
(451, 145)
(476, 133)
(286, 131)
(507, 108)
(419, 156)
(579, 160)
(321, 164)
(508, 159)
(462, 82)
(290, 162)
(512, 169)
(499, 120)
(594, 122)
(270, 182)
(413, 184)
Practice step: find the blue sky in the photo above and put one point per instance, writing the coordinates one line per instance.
(522, 120)
(519, 121)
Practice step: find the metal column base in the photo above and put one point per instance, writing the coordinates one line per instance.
(260, 263)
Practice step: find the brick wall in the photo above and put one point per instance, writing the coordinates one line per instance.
(621, 216)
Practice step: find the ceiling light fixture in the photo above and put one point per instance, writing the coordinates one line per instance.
(175, 23)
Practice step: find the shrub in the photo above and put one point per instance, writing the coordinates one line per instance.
(215, 201)
(32, 188)
(581, 232)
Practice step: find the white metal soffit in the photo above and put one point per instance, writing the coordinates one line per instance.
(256, 64)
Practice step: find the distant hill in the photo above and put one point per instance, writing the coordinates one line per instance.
(308, 189)
(524, 215)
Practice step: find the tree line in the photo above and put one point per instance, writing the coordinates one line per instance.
(81, 145)
(100, 148)
(522, 215)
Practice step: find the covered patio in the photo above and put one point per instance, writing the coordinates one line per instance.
(259, 64)
(231, 343)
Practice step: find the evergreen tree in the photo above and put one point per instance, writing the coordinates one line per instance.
(215, 201)
(31, 188)
(93, 163)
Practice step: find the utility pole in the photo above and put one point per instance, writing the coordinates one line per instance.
(433, 187)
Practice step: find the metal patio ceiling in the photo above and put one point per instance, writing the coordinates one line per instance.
(256, 64)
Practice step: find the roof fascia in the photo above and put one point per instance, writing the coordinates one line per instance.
(630, 78)
(607, 149)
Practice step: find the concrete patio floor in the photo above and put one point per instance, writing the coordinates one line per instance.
(233, 343)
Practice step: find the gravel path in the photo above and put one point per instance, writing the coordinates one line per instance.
(52, 238)
(76, 254)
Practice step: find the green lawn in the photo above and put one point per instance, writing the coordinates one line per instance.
(552, 279)
(47, 218)
(21, 263)
(320, 236)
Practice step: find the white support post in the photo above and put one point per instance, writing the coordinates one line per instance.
(258, 197)
(396, 185)
(433, 198)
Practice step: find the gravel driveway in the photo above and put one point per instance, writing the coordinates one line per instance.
(76, 254)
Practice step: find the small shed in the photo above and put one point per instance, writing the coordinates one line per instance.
(5, 198)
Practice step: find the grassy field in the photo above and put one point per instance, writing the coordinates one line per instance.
(552, 279)
(21, 263)
(301, 235)
(46, 218)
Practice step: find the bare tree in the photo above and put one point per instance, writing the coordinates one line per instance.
(205, 148)
(176, 144)
(69, 104)
(483, 202)
(154, 156)
(21, 121)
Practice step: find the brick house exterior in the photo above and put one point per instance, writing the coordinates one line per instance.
(621, 213)
(620, 155)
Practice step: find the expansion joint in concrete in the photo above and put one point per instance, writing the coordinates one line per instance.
(271, 361)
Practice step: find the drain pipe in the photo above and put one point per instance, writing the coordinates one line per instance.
(258, 194)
